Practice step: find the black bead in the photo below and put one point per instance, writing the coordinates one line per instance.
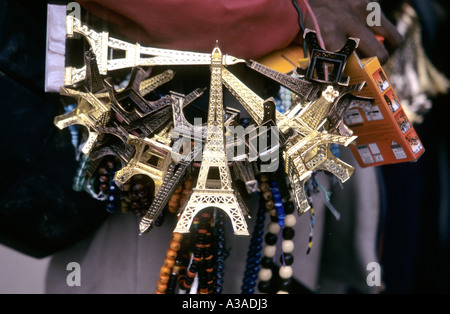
(289, 208)
(288, 259)
(264, 286)
(288, 233)
(286, 284)
(270, 238)
(266, 262)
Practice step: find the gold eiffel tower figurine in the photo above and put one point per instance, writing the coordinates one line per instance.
(306, 145)
(151, 158)
(214, 191)
(94, 107)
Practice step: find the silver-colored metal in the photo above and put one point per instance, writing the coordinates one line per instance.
(214, 192)
(135, 54)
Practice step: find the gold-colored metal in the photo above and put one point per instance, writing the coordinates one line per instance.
(148, 85)
(90, 112)
(307, 146)
(94, 109)
(104, 46)
(151, 158)
(214, 192)
(177, 168)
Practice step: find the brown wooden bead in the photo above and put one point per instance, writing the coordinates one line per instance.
(162, 287)
(102, 171)
(126, 187)
(173, 203)
(175, 197)
(172, 209)
(171, 254)
(164, 279)
(169, 262)
(104, 179)
(135, 205)
(104, 187)
(179, 189)
(174, 245)
(267, 195)
(270, 205)
(264, 187)
(110, 164)
(188, 184)
(176, 236)
(264, 178)
(165, 271)
(138, 187)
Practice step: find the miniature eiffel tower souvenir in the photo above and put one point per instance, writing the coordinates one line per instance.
(105, 47)
(211, 191)
(306, 147)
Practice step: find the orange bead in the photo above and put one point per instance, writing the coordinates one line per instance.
(175, 197)
(171, 254)
(270, 205)
(165, 271)
(264, 178)
(174, 245)
(264, 186)
(164, 279)
(179, 189)
(188, 184)
(267, 195)
(162, 287)
(173, 209)
(176, 236)
(169, 262)
(173, 203)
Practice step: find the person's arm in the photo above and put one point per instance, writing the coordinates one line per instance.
(245, 29)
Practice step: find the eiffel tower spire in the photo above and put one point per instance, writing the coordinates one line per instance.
(214, 188)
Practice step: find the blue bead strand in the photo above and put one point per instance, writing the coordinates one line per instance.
(278, 201)
(113, 198)
(254, 253)
(221, 253)
(160, 220)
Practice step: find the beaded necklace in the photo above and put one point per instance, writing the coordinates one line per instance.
(280, 228)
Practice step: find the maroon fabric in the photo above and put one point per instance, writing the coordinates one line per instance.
(244, 28)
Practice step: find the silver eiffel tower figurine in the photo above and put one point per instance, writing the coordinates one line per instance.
(214, 186)
(106, 47)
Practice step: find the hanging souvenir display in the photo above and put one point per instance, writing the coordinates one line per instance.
(144, 157)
